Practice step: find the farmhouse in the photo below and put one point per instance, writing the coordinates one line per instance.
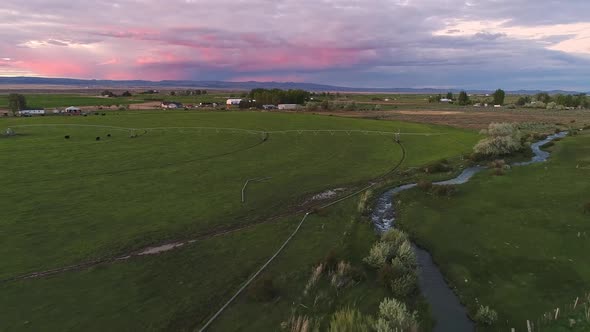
(73, 110)
(170, 105)
(233, 102)
(288, 106)
(31, 112)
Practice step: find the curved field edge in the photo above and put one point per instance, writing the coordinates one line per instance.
(516, 242)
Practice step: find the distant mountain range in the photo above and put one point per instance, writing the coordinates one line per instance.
(81, 83)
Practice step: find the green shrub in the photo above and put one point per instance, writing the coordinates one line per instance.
(587, 208)
(380, 253)
(444, 190)
(404, 286)
(395, 237)
(486, 316)
(498, 163)
(263, 290)
(440, 166)
(424, 185)
(342, 277)
(349, 320)
(385, 275)
(406, 255)
(503, 139)
(395, 316)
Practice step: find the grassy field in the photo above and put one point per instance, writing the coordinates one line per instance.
(517, 242)
(76, 199)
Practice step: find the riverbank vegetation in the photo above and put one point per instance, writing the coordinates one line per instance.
(514, 243)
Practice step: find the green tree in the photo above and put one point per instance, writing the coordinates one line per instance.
(16, 102)
(450, 95)
(499, 96)
(464, 98)
(543, 97)
(126, 94)
(523, 100)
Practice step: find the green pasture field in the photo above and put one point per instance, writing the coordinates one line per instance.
(517, 243)
(89, 198)
(76, 199)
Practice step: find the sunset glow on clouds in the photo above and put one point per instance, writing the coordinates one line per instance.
(377, 43)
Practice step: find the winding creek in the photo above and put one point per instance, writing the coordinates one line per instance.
(447, 310)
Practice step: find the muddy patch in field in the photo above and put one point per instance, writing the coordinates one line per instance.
(160, 249)
(327, 194)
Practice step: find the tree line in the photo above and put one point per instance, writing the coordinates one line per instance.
(259, 97)
(545, 100)
(498, 98)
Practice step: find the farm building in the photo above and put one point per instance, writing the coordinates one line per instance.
(208, 104)
(288, 106)
(446, 100)
(233, 102)
(31, 112)
(269, 107)
(73, 110)
(170, 105)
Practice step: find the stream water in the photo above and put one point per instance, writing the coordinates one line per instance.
(447, 310)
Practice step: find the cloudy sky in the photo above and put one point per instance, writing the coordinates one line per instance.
(511, 44)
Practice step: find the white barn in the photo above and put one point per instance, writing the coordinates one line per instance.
(233, 102)
(73, 109)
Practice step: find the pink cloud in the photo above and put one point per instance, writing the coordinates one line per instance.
(269, 78)
(55, 68)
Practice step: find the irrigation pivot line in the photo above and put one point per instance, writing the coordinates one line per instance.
(249, 281)
(252, 180)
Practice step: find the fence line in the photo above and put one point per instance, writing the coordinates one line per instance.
(212, 319)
